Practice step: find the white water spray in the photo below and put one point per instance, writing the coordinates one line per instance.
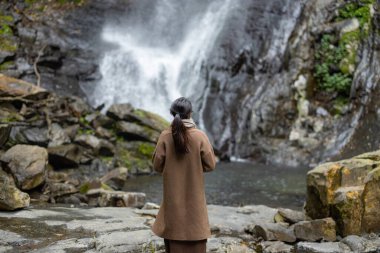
(151, 67)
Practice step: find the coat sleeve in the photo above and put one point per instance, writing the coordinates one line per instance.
(158, 158)
(208, 156)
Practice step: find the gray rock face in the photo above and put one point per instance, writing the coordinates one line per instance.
(27, 164)
(11, 197)
(133, 131)
(326, 247)
(273, 232)
(276, 247)
(360, 244)
(65, 156)
(315, 230)
(116, 178)
(229, 220)
(137, 240)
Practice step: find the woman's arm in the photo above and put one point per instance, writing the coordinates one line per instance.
(158, 158)
(207, 156)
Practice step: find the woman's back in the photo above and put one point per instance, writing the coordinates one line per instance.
(183, 213)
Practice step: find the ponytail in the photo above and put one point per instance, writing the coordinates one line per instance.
(179, 135)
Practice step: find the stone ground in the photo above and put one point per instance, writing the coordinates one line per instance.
(112, 229)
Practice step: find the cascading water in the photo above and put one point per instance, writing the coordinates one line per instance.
(161, 48)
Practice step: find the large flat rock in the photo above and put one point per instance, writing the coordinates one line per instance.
(112, 229)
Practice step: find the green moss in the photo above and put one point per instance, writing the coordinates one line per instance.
(6, 65)
(328, 57)
(354, 10)
(336, 57)
(162, 123)
(84, 188)
(6, 19)
(7, 44)
(87, 131)
(339, 105)
(146, 149)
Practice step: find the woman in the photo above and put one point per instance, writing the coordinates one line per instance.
(182, 154)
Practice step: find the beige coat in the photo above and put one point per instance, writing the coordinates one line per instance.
(183, 212)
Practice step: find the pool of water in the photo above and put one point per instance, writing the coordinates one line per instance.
(236, 184)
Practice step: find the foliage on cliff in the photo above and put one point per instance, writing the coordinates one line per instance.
(336, 53)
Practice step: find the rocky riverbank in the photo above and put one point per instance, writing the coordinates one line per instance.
(60, 150)
(245, 229)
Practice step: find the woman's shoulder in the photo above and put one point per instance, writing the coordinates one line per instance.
(165, 132)
(198, 132)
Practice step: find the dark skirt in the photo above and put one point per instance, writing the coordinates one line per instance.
(173, 246)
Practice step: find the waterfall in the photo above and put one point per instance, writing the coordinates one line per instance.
(160, 50)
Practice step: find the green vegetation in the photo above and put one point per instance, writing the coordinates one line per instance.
(335, 55)
(328, 57)
(87, 131)
(146, 149)
(84, 188)
(7, 41)
(353, 10)
(6, 65)
(7, 19)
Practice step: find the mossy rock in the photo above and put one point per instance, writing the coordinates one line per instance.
(135, 132)
(7, 65)
(84, 188)
(371, 201)
(152, 120)
(126, 112)
(135, 155)
(8, 43)
(347, 210)
(348, 191)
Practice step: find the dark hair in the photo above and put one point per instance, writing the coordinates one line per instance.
(181, 108)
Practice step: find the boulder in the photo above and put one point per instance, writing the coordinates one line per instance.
(316, 230)
(68, 156)
(120, 111)
(59, 189)
(126, 112)
(276, 247)
(272, 232)
(133, 131)
(348, 191)
(360, 244)
(325, 247)
(14, 87)
(104, 198)
(348, 209)
(99, 146)
(291, 216)
(58, 136)
(150, 206)
(135, 155)
(116, 178)
(27, 164)
(36, 136)
(11, 198)
(371, 200)
(5, 130)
